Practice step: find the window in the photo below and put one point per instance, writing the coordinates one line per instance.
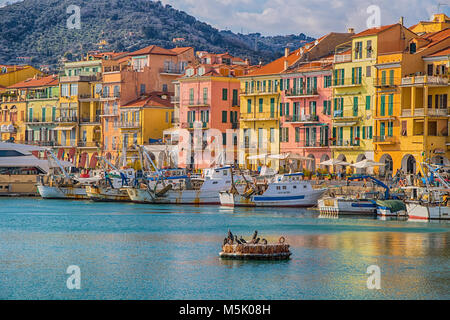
(404, 128)
(390, 104)
(142, 91)
(383, 105)
(272, 135)
(369, 49)
(73, 89)
(358, 50)
(235, 97)
(224, 94)
(249, 106)
(356, 75)
(297, 134)
(224, 139)
(260, 138)
(367, 102)
(260, 105)
(64, 90)
(205, 95)
(368, 71)
(355, 106)
(164, 87)
(224, 117)
(327, 82)
(272, 107)
(191, 96)
(391, 77)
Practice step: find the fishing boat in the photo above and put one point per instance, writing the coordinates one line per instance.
(389, 209)
(183, 189)
(285, 190)
(355, 203)
(430, 202)
(112, 185)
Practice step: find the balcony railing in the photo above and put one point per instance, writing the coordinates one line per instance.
(41, 97)
(129, 124)
(438, 112)
(67, 119)
(425, 80)
(259, 116)
(301, 92)
(384, 139)
(386, 82)
(89, 120)
(342, 58)
(312, 144)
(302, 118)
(345, 143)
(258, 91)
(86, 144)
(196, 103)
(347, 82)
(172, 70)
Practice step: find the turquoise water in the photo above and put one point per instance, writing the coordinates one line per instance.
(133, 251)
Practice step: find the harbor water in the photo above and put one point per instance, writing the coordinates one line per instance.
(136, 251)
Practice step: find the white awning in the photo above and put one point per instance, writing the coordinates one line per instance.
(258, 156)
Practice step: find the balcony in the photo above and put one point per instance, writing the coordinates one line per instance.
(345, 144)
(424, 80)
(195, 125)
(386, 82)
(196, 103)
(340, 58)
(256, 92)
(346, 82)
(171, 71)
(96, 119)
(312, 144)
(129, 125)
(80, 78)
(302, 93)
(37, 121)
(88, 97)
(384, 140)
(85, 144)
(70, 119)
(302, 118)
(110, 97)
(234, 125)
(341, 115)
(420, 112)
(437, 112)
(41, 97)
(259, 116)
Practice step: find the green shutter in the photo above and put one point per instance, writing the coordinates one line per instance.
(367, 102)
(355, 106)
(391, 77)
(261, 101)
(383, 105)
(370, 132)
(287, 109)
(249, 106)
(363, 132)
(353, 75)
(391, 104)
(382, 129)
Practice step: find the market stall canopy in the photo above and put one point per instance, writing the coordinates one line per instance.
(296, 156)
(334, 162)
(366, 163)
(257, 156)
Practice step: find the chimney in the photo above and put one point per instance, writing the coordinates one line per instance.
(286, 52)
(401, 21)
(350, 30)
(286, 64)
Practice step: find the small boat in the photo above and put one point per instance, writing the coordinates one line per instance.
(359, 203)
(286, 190)
(391, 209)
(255, 249)
(428, 204)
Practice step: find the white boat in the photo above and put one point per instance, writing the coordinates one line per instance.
(287, 190)
(183, 190)
(346, 206)
(19, 168)
(418, 211)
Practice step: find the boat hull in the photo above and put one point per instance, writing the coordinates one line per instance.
(101, 194)
(188, 197)
(76, 193)
(347, 206)
(425, 212)
(305, 200)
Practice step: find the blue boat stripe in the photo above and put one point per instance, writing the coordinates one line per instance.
(261, 198)
(363, 205)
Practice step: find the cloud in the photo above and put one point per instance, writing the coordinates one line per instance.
(315, 18)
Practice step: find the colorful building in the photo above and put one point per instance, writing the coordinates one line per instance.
(10, 75)
(306, 112)
(41, 95)
(354, 94)
(399, 139)
(208, 94)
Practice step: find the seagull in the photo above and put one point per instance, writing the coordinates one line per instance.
(230, 235)
(255, 234)
(237, 240)
(225, 241)
(242, 240)
(264, 241)
(256, 241)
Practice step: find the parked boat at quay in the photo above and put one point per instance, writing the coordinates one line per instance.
(183, 189)
(20, 166)
(286, 190)
(357, 201)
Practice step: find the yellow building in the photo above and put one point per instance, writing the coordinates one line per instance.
(400, 137)
(259, 111)
(79, 110)
(10, 75)
(437, 23)
(142, 122)
(354, 96)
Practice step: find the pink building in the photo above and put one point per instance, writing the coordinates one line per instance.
(208, 99)
(306, 112)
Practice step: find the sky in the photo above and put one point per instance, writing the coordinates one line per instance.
(311, 17)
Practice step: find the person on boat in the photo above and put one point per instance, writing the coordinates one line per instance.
(84, 174)
(108, 179)
(124, 179)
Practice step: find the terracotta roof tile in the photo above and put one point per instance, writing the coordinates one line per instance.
(153, 50)
(154, 100)
(276, 66)
(373, 31)
(180, 50)
(35, 83)
(443, 52)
